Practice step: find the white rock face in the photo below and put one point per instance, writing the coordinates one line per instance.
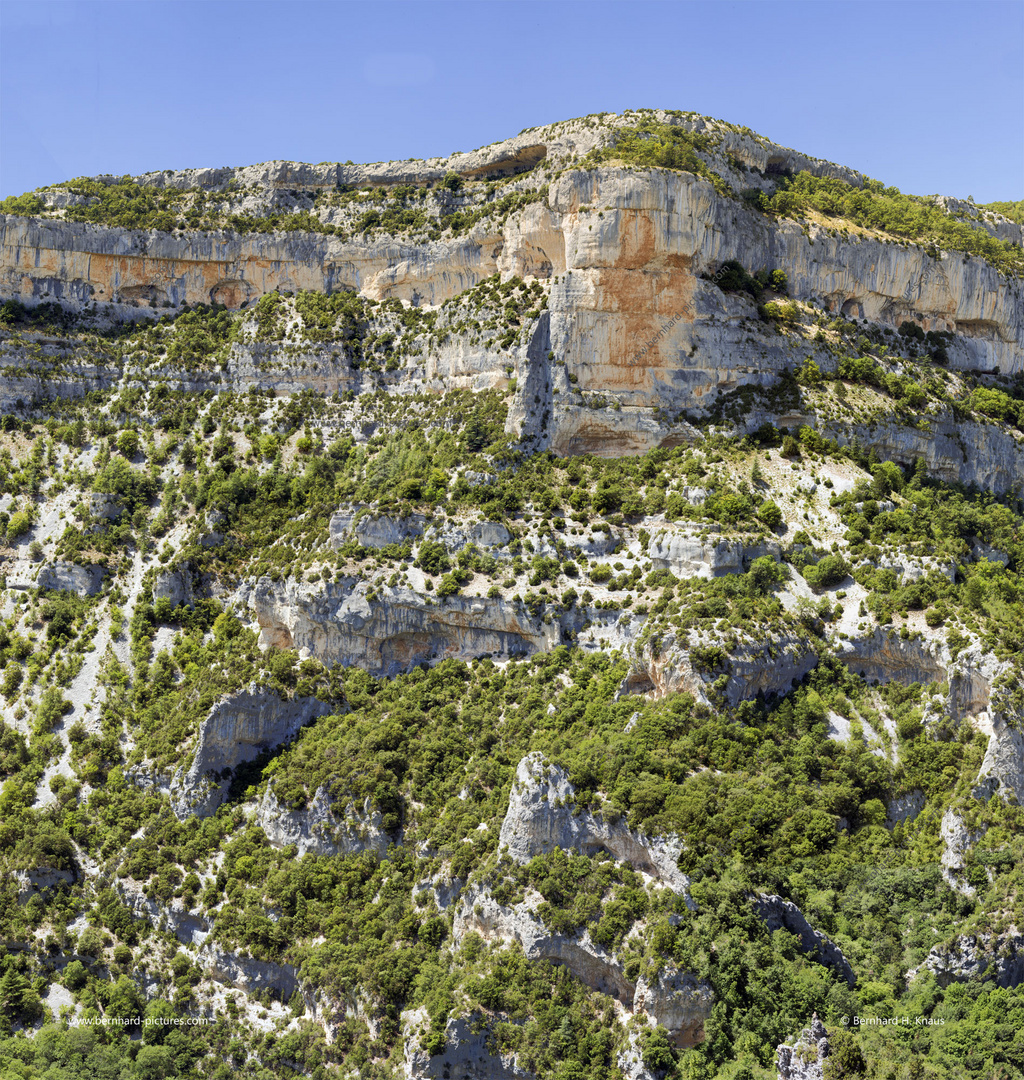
(189, 927)
(805, 1059)
(176, 585)
(885, 657)
(466, 1054)
(541, 818)
(68, 577)
(236, 730)
(39, 880)
(957, 840)
(379, 532)
(696, 554)
(678, 1001)
(317, 830)
(1002, 770)
(905, 808)
(664, 665)
(914, 568)
(988, 957)
(675, 999)
(252, 976)
(104, 506)
(337, 623)
(478, 912)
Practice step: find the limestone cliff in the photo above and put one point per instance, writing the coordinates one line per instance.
(542, 816)
(628, 256)
(236, 729)
(395, 630)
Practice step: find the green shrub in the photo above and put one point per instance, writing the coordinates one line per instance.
(830, 570)
(19, 524)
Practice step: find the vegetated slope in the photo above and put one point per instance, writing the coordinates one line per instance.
(552, 611)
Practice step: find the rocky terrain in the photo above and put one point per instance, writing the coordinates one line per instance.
(549, 612)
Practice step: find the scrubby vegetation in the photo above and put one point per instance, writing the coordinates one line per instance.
(746, 638)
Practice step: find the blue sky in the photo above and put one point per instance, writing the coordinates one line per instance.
(926, 96)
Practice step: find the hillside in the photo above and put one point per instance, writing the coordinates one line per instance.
(553, 611)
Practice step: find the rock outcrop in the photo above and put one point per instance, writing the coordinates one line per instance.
(779, 914)
(189, 926)
(394, 630)
(478, 912)
(542, 816)
(675, 999)
(805, 1059)
(691, 554)
(772, 666)
(678, 1001)
(467, 1053)
(988, 957)
(317, 830)
(68, 577)
(236, 730)
(883, 656)
(41, 879)
(252, 976)
(374, 531)
(957, 840)
(177, 585)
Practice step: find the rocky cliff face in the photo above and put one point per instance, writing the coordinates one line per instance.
(779, 914)
(236, 730)
(279, 465)
(542, 816)
(988, 957)
(395, 630)
(318, 830)
(629, 316)
(675, 999)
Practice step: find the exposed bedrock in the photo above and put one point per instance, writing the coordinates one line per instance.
(319, 829)
(662, 664)
(467, 1053)
(986, 957)
(237, 729)
(805, 1058)
(779, 914)
(674, 998)
(700, 553)
(629, 313)
(396, 630)
(884, 657)
(542, 816)
(252, 976)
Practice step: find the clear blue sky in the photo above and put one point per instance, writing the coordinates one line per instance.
(926, 96)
